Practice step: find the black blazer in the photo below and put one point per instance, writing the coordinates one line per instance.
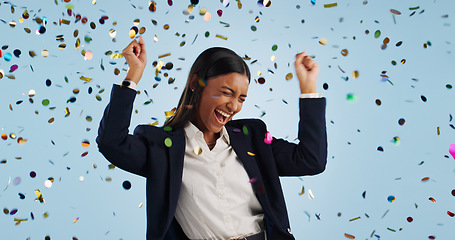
(144, 153)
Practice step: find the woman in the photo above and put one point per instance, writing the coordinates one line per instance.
(210, 177)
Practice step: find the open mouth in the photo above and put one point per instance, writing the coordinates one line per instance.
(221, 116)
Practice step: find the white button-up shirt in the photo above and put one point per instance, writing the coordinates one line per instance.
(216, 198)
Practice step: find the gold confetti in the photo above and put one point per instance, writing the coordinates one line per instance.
(39, 196)
(164, 55)
(330, 5)
(353, 219)
(222, 37)
(289, 76)
(251, 154)
(197, 150)
(323, 41)
(86, 79)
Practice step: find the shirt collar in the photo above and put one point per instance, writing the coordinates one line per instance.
(191, 131)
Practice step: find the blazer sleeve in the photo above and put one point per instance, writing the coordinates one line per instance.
(309, 156)
(124, 150)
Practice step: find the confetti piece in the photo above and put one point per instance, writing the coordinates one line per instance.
(330, 5)
(344, 52)
(391, 198)
(313, 2)
(75, 220)
(323, 41)
(355, 74)
(452, 150)
(127, 184)
(252, 180)
(197, 150)
(396, 12)
(245, 130)
(310, 194)
(268, 138)
(86, 79)
(353, 219)
(48, 183)
(409, 219)
(39, 196)
(451, 214)
(351, 97)
(289, 76)
(425, 179)
(222, 37)
(251, 154)
(164, 55)
(432, 199)
(168, 142)
(349, 236)
(303, 191)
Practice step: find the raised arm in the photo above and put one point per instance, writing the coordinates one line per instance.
(309, 156)
(114, 142)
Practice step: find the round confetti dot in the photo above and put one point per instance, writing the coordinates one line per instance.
(5, 211)
(197, 150)
(126, 185)
(323, 41)
(380, 149)
(377, 34)
(391, 198)
(17, 180)
(351, 97)
(207, 34)
(261, 80)
(274, 47)
(48, 183)
(378, 102)
(451, 214)
(339, 214)
(8, 57)
(355, 74)
(168, 142)
(401, 121)
(48, 82)
(325, 86)
(449, 86)
(344, 52)
(453, 192)
(409, 219)
(253, 28)
(289, 76)
(424, 99)
(45, 102)
(88, 55)
(32, 174)
(167, 128)
(431, 237)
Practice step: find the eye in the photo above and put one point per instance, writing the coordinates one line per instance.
(242, 100)
(226, 93)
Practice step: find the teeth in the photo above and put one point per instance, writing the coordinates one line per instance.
(223, 113)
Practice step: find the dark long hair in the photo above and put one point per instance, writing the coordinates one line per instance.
(210, 63)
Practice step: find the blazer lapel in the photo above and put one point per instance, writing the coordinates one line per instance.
(176, 158)
(243, 148)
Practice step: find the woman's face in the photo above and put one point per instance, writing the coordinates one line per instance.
(220, 100)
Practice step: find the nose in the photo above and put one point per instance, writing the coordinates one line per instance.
(234, 105)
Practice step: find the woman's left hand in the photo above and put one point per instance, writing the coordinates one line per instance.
(307, 72)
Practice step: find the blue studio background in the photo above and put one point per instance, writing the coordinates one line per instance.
(386, 71)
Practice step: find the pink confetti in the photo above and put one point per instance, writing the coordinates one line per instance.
(252, 180)
(13, 68)
(220, 12)
(268, 138)
(452, 150)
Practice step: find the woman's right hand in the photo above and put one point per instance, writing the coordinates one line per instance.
(136, 58)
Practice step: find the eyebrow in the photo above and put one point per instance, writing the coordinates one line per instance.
(230, 89)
